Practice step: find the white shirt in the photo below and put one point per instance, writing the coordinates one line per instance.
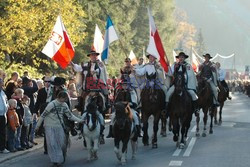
(221, 74)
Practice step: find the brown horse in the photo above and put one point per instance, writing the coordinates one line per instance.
(123, 131)
(153, 103)
(222, 97)
(180, 109)
(205, 102)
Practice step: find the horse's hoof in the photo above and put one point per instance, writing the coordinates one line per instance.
(164, 134)
(181, 146)
(211, 131)
(154, 145)
(175, 138)
(177, 144)
(220, 122)
(197, 134)
(133, 157)
(216, 122)
(204, 134)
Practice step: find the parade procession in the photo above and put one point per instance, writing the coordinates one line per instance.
(124, 83)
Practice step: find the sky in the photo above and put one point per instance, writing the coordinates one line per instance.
(225, 26)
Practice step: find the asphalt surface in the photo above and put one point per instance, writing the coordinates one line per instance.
(228, 146)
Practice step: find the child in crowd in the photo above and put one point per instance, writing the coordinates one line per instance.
(27, 120)
(13, 124)
(18, 95)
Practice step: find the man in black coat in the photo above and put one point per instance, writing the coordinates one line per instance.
(41, 104)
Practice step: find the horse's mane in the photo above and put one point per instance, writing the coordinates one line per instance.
(123, 109)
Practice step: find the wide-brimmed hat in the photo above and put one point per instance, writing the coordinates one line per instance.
(127, 59)
(181, 54)
(207, 55)
(58, 81)
(92, 52)
(151, 55)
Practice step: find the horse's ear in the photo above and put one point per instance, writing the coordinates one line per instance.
(121, 71)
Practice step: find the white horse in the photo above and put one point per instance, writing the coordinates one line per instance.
(91, 131)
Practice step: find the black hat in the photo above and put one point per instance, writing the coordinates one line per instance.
(127, 59)
(25, 80)
(58, 81)
(207, 55)
(150, 55)
(92, 52)
(182, 54)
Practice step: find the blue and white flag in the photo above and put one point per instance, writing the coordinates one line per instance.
(110, 36)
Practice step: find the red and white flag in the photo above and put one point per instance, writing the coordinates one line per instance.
(155, 47)
(98, 41)
(59, 47)
(195, 61)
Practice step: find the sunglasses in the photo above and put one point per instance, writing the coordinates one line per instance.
(47, 81)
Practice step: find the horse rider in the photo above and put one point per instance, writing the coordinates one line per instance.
(94, 76)
(152, 68)
(207, 70)
(190, 79)
(221, 78)
(127, 85)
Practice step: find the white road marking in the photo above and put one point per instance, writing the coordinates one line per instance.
(228, 124)
(175, 163)
(194, 129)
(190, 147)
(178, 151)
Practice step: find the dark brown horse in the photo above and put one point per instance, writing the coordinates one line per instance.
(123, 131)
(222, 97)
(180, 109)
(205, 102)
(153, 103)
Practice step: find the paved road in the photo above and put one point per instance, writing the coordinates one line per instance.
(229, 146)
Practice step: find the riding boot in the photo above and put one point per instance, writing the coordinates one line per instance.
(138, 130)
(196, 107)
(228, 96)
(110, 135)
(79, 106)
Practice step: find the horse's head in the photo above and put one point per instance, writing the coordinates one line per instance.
(125, 75)
(123, 114)
(91, 116)
(179, 80)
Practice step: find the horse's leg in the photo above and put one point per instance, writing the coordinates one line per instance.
(204, 133)
(124, 151)
(187, 128)
(198, 125)
(163, 125)
(145, 130)
(220, 113)
(134, 148)
(155, 128)
(89, 148)
(175, 126)
(95, 148)
(183, 129)
(116, 149)
(215, 117)
(213, 109)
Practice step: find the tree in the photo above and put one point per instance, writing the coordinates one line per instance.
(185, 32)
(200, 45)
(33, 21)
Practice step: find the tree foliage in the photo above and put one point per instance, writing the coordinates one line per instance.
(200, 47)
(26, 26)
(185, 32)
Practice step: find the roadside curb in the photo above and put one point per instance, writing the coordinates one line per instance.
(10, 156)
